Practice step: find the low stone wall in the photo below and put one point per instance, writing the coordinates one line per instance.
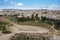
(31, 36)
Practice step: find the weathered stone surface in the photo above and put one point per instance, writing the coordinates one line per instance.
(31, 36)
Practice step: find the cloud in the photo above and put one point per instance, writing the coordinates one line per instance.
(19, 4)
(50, 7)
(54, 7)
(16, 4)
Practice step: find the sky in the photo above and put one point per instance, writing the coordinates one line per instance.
(30, 4)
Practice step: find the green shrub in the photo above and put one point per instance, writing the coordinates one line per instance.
(3, 27)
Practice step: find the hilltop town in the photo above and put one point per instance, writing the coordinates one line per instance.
(54, 14)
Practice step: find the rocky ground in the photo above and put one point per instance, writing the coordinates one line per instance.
(18, 29)
(25, 28)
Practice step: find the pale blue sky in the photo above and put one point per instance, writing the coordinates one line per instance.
(30, 4)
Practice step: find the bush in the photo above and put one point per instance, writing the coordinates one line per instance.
(57, 25)
(6, 32)
(43, 18)
(21, 19)
(3, 27)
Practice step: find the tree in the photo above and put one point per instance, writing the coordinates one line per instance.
(57, 24)
(28, 18)
(43, 18)
(36, 16)
(22, 19)
(32, 17)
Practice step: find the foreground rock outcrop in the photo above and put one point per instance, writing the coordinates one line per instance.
(31, 36)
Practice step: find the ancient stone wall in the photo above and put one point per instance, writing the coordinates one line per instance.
(31, 36)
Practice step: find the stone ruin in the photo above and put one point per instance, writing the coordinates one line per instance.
(31, 36)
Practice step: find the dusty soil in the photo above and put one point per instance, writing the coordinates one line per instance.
(25, 28)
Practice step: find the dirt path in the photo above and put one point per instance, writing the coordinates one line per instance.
(17, 27)
(22, 28)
